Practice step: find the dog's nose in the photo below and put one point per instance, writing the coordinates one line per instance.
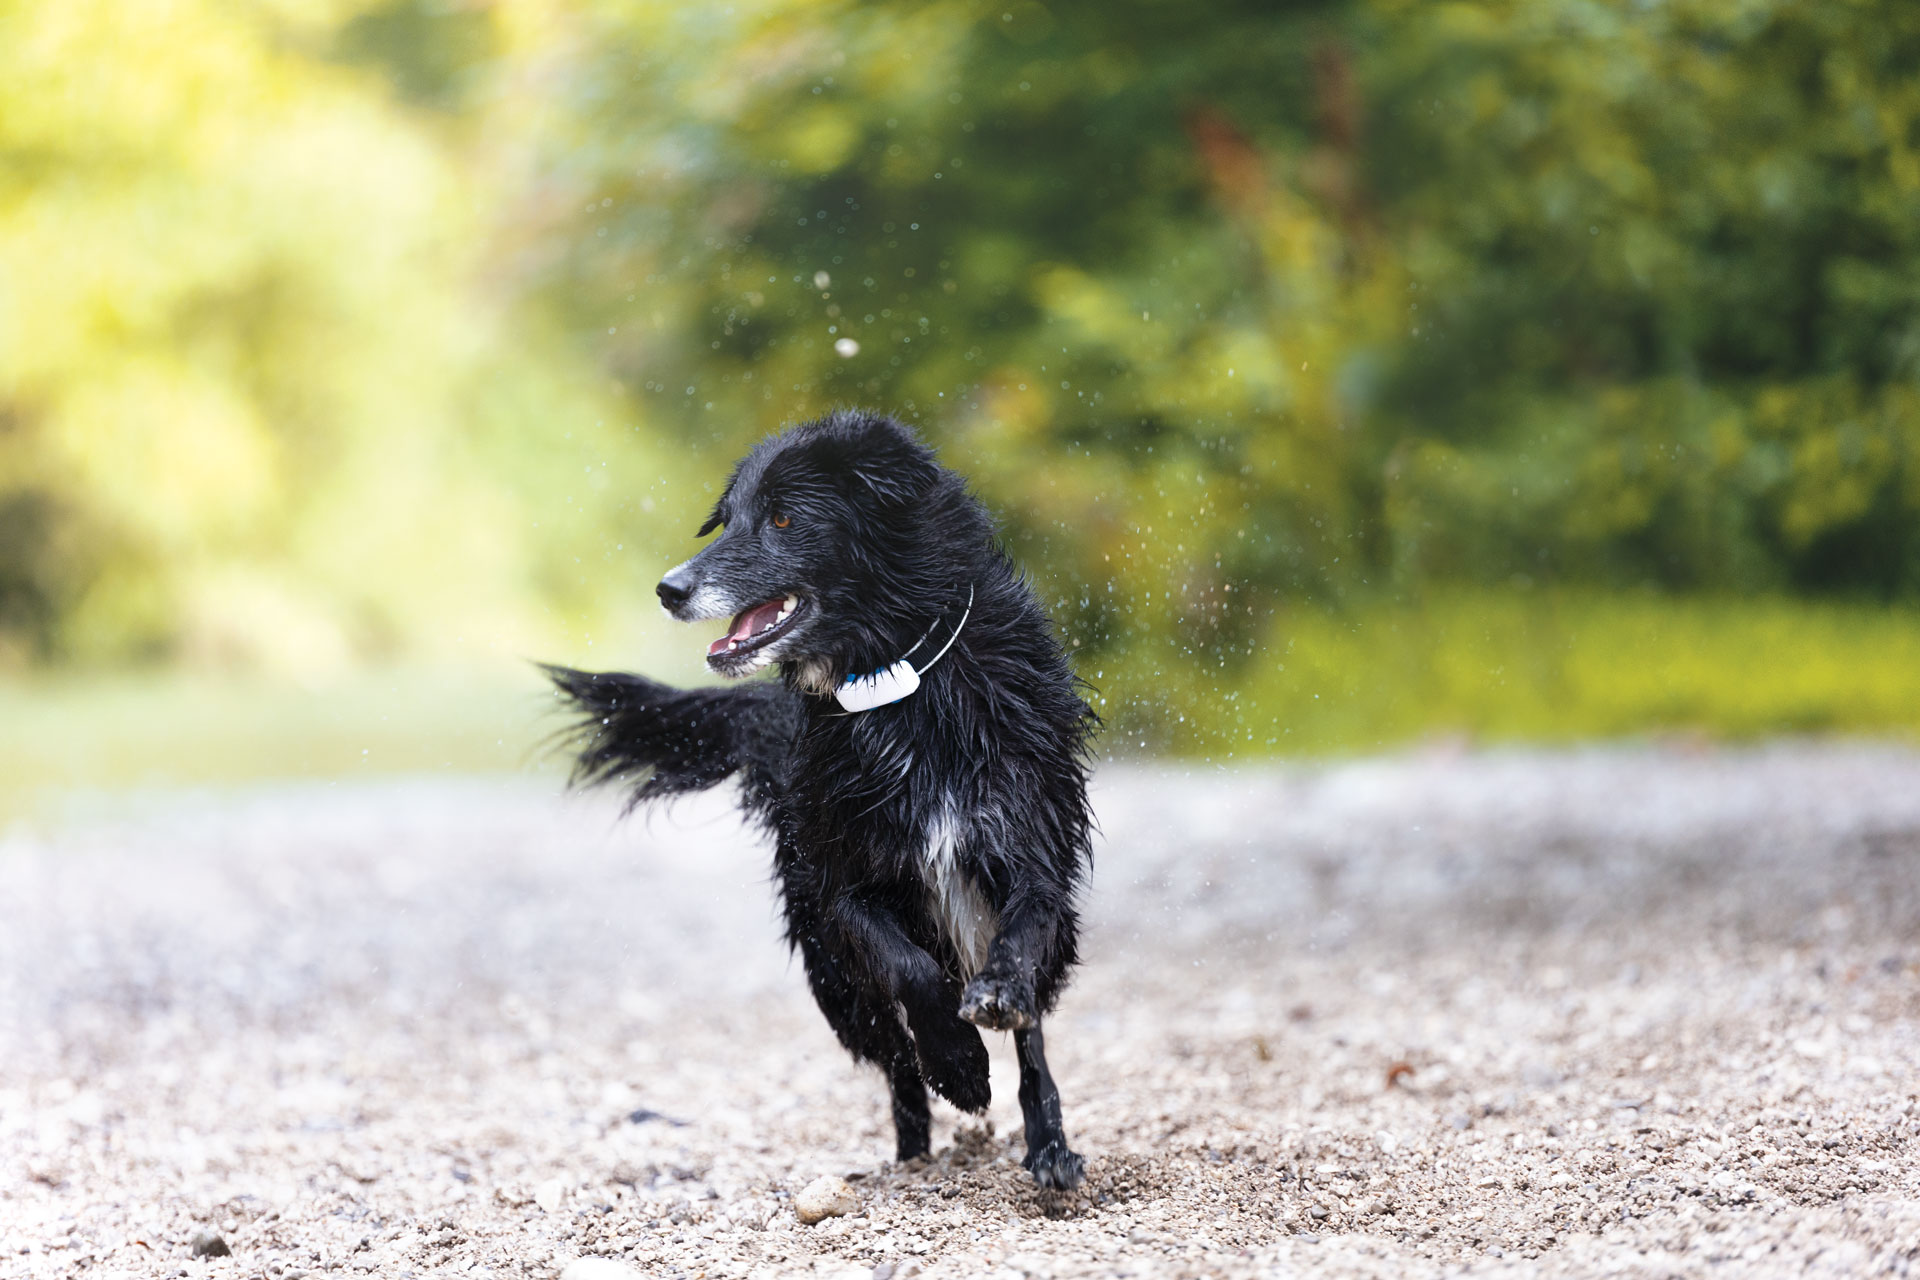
(676, 588)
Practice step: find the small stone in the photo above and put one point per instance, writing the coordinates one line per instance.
(827, 1197)
(647, 1114)
(208, 1245)
(598, 1269)
(549, 1194)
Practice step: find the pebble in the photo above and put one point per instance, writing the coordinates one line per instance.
(598, 1269)
(208, 1245)
(826, 1197)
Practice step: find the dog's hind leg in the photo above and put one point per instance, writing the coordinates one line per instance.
(952, 1058)
(871, 1032)
(912, 1118)
(1048, 1159)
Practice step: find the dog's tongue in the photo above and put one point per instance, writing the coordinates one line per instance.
(751, 620)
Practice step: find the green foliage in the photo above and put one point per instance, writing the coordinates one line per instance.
(1290, 302)
(254, 406)
(433, 50)
(374, 327)
(1666, 258)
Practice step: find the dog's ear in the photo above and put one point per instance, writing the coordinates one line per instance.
(895, 480)
(890, 463)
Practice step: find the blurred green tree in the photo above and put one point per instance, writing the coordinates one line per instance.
(1227, 305)
(1666, 258)
(254, 405)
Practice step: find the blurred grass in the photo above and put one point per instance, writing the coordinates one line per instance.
(1545, 667)
(65, 740)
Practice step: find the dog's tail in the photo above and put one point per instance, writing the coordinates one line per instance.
(664, 741)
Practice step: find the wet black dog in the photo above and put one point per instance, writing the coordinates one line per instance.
(921, 763)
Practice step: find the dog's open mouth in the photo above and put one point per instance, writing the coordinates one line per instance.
(758, 627)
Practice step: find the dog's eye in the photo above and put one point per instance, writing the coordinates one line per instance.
(782, 520)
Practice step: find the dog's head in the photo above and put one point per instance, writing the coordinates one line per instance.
(822, 553)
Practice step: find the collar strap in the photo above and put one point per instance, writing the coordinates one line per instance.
(891, 684)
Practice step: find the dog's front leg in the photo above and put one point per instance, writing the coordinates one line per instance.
(1034, 943)
(1035, 938)
(1048, 1158)
(952, 1056)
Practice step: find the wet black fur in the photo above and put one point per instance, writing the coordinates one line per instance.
(883, 544)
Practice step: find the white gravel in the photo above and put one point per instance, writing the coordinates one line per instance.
(1629, 1012)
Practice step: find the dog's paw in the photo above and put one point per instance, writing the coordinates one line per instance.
(1056, 1168)
(997, 1004)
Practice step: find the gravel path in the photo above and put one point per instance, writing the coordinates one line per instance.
(1649, 1012)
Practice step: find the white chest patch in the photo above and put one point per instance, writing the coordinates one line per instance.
(959, 908)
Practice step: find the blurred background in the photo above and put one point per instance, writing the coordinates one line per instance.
(1346, 374)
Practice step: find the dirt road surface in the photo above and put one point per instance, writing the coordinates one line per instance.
(1640, 1012)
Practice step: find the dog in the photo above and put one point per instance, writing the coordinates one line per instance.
(920, 764)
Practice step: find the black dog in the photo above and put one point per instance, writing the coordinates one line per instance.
(921, 763)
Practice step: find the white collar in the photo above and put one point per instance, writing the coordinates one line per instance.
(892, 683)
